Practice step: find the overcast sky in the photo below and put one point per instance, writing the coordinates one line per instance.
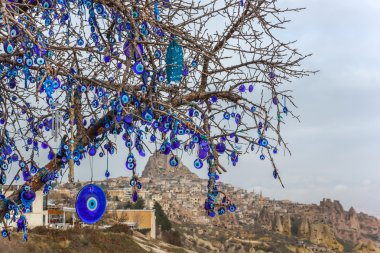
(335, 148)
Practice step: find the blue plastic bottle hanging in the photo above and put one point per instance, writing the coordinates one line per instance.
(174, 62)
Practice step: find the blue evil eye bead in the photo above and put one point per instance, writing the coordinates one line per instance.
(9, 47)
(232, 208)
(95, 103)
(14, 31)
(272, 75)
(138, 68)
(107, 174)
(275, 100)
(211, 213)
(237, 118)
(124, 98)
(195, 138)
(226, 115)
(198, 163)
(99, 8)
(173, 161)
(148, 115)
(80, 42)
(220, 147)
(128, 143)
(160, 77)
(262, 157)
(263, 142)
(275, 174)
(285, 110)
(48, 22)
(21, 164)
(253, 109)
(19, 60)
(194, 63)
(47, 4)
(90, 204)
(29, 62)
(7, 216)
(130, 166)
(157, 54)
(33, 169)
(250, 88)
(4, 166)
(40, 61)
(4, 233)
(165, 148)
(221, 211)
(135, 14)
(3, 178)
(130, 158)
(275, 151)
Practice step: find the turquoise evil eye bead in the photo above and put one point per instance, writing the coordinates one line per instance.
(157, 54)
(232, 208)
(124, 98)
(9, 47)
(173, 161)
(40, 61)
(198, 163)
(263, 142)
(138, 68)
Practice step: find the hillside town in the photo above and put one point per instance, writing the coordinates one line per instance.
(326, 227)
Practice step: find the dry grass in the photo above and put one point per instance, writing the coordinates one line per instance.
(42, 240)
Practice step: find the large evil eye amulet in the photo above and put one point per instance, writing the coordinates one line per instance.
(91, 203)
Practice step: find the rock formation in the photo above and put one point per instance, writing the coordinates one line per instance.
(352, 219)
(304, 228)
(287, 225)
(277, 224)
(366, 248)
(322, 234)
(158, 166)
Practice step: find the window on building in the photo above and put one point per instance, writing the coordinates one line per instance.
(44, 203)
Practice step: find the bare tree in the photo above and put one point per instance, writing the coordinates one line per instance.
(208, 77)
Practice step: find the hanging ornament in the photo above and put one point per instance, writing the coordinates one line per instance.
(21, 226)
(157, 11)
(56, 122)
(27, 197)
(174, 62)
(91, 203)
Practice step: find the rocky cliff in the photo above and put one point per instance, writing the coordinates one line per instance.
(158, 166)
